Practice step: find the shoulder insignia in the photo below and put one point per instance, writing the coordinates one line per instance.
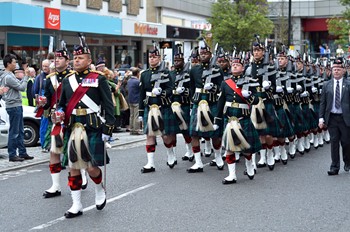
(70, 73)
(50, 75)
(95, 71)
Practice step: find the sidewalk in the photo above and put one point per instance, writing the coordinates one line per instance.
(123, 138)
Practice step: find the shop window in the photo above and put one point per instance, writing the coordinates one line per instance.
(127, 56)
(32, 55)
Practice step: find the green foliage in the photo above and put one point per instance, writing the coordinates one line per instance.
(340, 26)
(234, 24)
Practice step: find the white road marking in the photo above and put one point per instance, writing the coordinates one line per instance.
(50, 223)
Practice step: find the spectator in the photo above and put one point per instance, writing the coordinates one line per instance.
(39, 90)
(322, 51)
(14, 108)
(339, 51)
(327, 52)
(30, 72)
(125, 115)
(115, 95)
(133, 87)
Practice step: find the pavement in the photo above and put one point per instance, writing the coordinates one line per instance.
(119, 139)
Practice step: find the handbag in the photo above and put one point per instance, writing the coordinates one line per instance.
(123, 104)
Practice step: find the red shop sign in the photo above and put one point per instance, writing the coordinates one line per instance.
(52, 18)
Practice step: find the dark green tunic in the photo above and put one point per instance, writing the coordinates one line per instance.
(101, 95)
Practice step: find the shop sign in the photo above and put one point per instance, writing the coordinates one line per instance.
(201, 25)
(145, 29)
(52, 18)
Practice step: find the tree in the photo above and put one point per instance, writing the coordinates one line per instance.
(234, 23)
(340, 25)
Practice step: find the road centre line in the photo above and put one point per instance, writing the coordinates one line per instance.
(50, 223)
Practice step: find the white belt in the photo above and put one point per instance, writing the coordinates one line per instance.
(276, 96)
(81, 112)
(150, 94)
(237, 105)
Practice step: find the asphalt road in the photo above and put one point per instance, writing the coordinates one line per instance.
(297, 197)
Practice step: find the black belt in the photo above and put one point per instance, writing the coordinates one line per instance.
(336, 114)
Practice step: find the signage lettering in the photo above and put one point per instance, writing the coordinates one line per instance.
(52, 18)
(141, 28)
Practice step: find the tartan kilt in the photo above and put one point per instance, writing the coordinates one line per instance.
(299, 124)
(310, 119)
(47, 141)
(96, 144)
(273, 128)
(250, 133)
(193, 123)
(316, 106)
(287, 128)
(186, 109)
(170, 123)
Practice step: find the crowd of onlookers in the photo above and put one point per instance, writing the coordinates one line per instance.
(326, 52)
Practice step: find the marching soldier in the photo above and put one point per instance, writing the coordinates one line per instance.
(181, 99)
(84, 94)
(156, 89)
(205, 86)
(263, 76)
(223, 62)
(52, 95)
(240, 134)
(282, 111)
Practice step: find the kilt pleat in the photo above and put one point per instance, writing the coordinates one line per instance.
(273, 128)
(287, 128)
(250, 133)
(170, 124)
(193, 124)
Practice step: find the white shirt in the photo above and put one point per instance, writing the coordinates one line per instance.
(335, 110)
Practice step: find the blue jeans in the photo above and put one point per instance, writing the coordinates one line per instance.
(16, 132)
(44, 123)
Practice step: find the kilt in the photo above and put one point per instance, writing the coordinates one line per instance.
(250, 133)
(311, 121)
(96, 144)
(170, 123)
(47, 142)
(299, 124)
(316, 106)
(273, 128)
(186, 109)
(209, 134)
(287, 128)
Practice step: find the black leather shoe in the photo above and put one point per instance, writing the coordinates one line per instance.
(172, 165)
(224, 181)
(190, 170)
(16, 159)
(220, 167)
(208, 154)
(100, 207)
(332, 173)
(284, 162)
(307, 150)
(84, 186)
(277, 160)
(72, 215)
(347, 168)
(49, 195)
(292, 156)
(246, 173)
(212, 163)
(261, 165)
(271, 167)
(147, 170)
(26, 157)
(185, 158)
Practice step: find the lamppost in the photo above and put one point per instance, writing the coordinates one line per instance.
(289, 21)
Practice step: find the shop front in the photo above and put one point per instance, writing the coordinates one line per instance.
(141, 35)
(28, 37)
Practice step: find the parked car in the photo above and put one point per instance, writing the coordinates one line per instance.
(31, 124)
(4, 132)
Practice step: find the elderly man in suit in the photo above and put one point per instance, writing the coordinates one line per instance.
(335, 114)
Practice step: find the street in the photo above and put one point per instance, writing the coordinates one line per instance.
(299, 196)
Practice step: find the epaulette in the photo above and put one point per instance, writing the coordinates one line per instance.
(71, 72)
(51, 74)
(99, 72)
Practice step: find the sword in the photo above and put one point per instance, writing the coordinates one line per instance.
(105, 164)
